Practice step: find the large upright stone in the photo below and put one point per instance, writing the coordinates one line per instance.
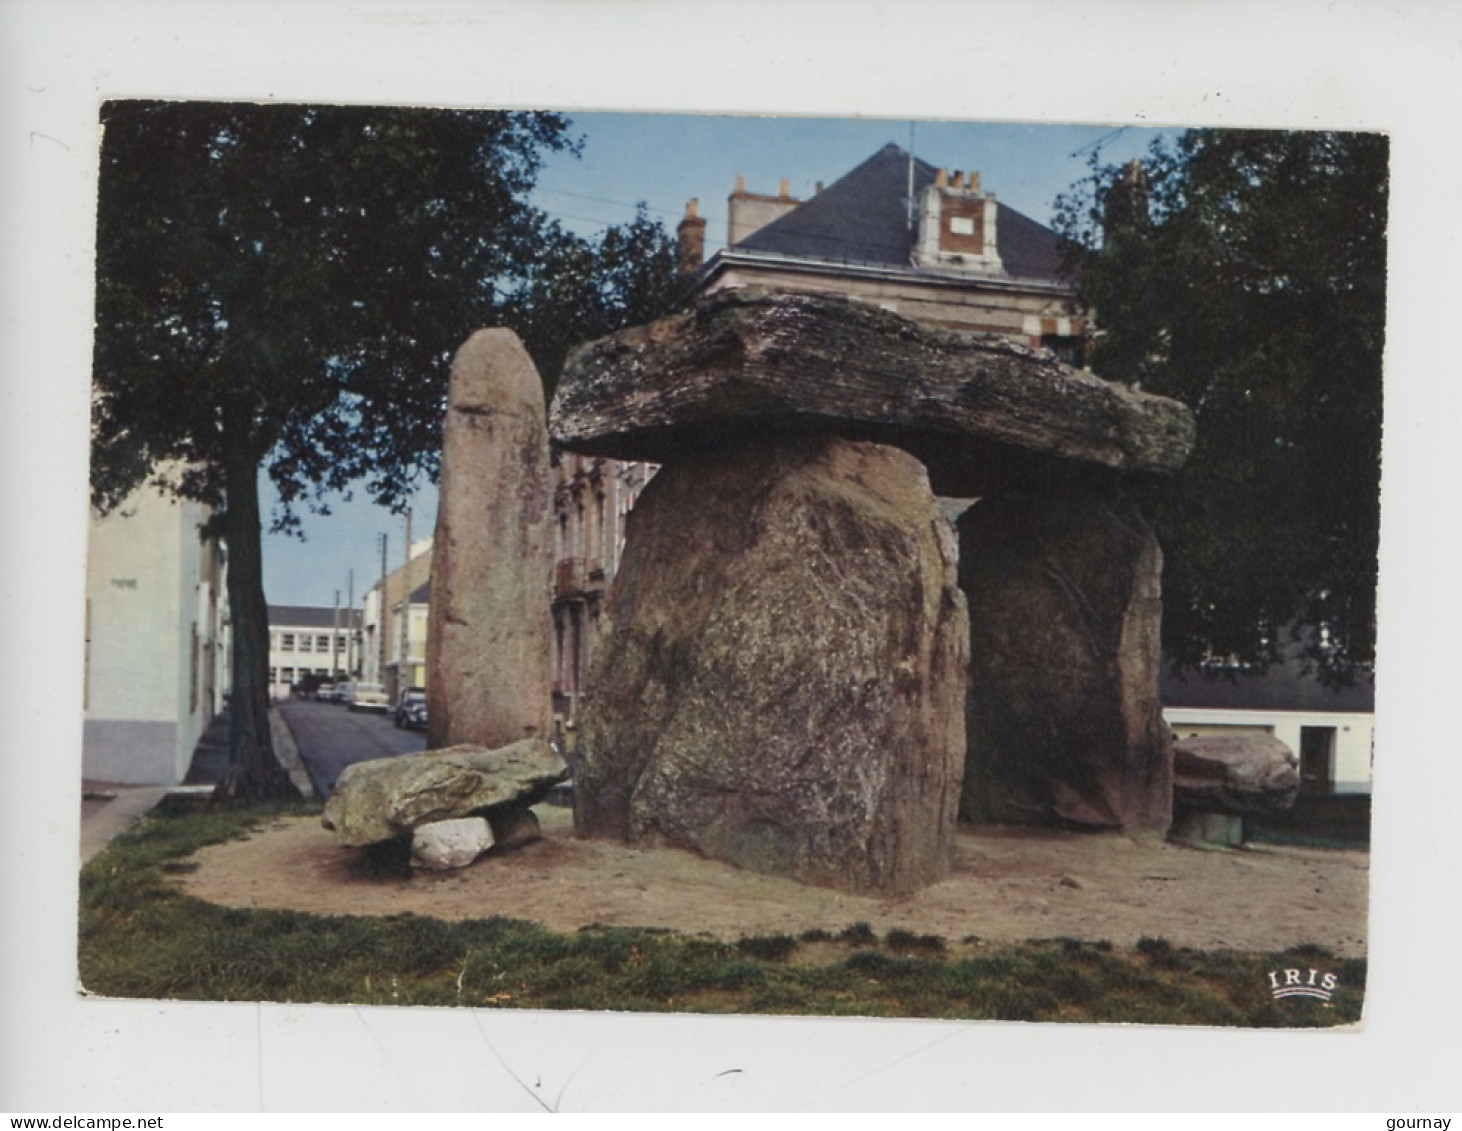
(782, 684)
(1065, 720)
(489, 669)
(981, 411)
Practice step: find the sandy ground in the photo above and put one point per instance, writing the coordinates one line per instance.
(1007, 885)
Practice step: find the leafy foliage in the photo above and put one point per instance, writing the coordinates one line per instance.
(1244, 272)
(282, 287)
(311, 268)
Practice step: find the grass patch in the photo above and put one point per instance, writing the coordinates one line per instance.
(140, 937)
(768, 948)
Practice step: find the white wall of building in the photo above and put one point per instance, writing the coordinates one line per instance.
(153, 641)
(317, 647)
(1353, 733)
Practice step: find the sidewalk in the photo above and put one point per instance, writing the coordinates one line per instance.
(107, 808)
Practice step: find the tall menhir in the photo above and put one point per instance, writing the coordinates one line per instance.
(489, 670)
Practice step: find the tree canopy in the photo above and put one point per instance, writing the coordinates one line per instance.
(282, 287)
(1244, 273)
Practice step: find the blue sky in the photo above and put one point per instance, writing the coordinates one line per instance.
(664, 160)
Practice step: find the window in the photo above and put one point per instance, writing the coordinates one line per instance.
(1068, 348)
(286, 642)
(322, 644)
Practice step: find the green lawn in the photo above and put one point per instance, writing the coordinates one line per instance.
(140, 938)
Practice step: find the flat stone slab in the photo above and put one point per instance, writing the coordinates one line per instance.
(381, 800)
(1244, 773)
(978, 410)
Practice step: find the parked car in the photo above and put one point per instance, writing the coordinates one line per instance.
(368, 697)
(324, 692)
(343, 691)
(411, 709)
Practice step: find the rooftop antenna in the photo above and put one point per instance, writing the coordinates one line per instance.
(910, 196)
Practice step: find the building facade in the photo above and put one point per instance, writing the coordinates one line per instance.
(393, 624)
(593, 498)
(157, 649)
(1330, 729)
(311, 640)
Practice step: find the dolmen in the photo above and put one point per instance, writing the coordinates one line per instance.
(452, 804)
(1220, 779)
(802, 668)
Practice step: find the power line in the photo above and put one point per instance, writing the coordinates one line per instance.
(1101, 141)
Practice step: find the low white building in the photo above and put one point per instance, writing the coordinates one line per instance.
(1330, 729)
(310, 640)
(156, 664)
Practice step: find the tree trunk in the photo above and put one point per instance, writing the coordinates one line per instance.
(254, 772)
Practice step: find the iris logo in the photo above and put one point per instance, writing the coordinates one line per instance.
(1294, 983)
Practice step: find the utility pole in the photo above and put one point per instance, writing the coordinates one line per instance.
(335, 641)
(403, 675)
(911, 177)
(353, 629)
(381, 617)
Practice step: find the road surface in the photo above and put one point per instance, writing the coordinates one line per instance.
(331, 737)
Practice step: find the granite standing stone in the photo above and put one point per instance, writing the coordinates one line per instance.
(489, 668)
(782, 685)
(1065, 721)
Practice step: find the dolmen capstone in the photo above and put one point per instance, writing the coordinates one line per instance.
(1220, 779)
(454, 803)
(782, 680)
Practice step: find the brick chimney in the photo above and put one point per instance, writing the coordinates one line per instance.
(690, 239)
(957, 225)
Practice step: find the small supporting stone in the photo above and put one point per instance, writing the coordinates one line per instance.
(1065, 721)
(444, 845)
(783, 683)
(513, 827)
(489, 668)
(1218, 830)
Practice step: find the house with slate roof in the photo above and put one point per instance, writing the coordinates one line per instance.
(925, 243)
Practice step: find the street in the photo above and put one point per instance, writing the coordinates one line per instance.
(331, 737)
